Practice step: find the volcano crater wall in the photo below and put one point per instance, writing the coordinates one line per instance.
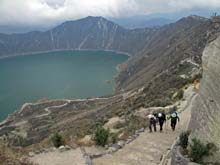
(205, 121)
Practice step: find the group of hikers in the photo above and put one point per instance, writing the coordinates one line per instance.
(161, 118)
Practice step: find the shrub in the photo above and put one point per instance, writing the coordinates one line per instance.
(198, 150)
(114, 137)
(134, 123)
(185, 68)
(180, 94)
(101, 136)
(57, 140)
(19, 141)
(161, 102)
(184, 138)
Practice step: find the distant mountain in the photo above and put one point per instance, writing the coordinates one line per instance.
(88, 33)
(159, 19)
(142, 21)
(9, 29)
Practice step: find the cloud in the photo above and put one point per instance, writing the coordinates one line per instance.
(41, 12)
(49, 11)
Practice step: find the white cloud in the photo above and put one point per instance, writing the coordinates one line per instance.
(40, 12)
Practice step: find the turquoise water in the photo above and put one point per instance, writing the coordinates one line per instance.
(56, 75)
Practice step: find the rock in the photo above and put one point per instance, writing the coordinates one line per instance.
(141, 130)
(129, 141)
(121, 143)
(112, 123)
(31, 154)
(177, 157)
(86, 141)
(205, 126)
(114, 148)
(68, 147)
(123, 136)
(135, 136)
(96, 155)
(37, 152)
(88, 160)
(62, 148)
(191, 163)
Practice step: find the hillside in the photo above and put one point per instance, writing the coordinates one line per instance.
(164, 61)
(142, 21)
(88, 33)
(152, 75)
(171, 44)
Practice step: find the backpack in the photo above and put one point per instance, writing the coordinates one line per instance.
(174, 115)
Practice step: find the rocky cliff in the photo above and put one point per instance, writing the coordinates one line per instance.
(205, 122)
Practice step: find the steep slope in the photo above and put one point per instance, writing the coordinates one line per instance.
(88, 33)
(206, 110)
(143, 21)
(163, 53)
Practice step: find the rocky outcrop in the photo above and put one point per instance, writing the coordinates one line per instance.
(205, 122)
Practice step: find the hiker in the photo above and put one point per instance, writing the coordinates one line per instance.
(161, 118)
(152, 122)
(174, 118)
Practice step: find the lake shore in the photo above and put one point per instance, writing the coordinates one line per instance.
(58, 67)
(59, 50)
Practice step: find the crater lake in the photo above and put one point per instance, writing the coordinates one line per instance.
(56, 75)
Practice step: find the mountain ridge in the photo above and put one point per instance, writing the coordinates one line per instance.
(88, 33)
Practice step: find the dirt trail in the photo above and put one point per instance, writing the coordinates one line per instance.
(71, 157)
(149, 148)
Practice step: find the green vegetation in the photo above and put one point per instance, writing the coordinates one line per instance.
(185, 68)
(184, 139)
(18, 141)
(161, 102)
(198, 150)
(57, 140)
(180, 94)
(12, 156)
(101, 136)
(114, 137)
(134, 123)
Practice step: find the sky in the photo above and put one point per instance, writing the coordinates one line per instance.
(45, 12)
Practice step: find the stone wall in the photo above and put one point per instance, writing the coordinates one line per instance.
(177, 157)
(205, 121)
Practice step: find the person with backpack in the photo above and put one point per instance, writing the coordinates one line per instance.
(161, 118)
(152, 122)
(174, 118)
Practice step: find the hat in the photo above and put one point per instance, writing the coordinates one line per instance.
(150, 116)
(160, 115)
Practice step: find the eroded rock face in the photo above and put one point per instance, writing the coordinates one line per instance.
(205, 122)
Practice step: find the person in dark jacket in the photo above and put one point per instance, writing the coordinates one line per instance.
(161, 118)
(152, 122)
(174, 118)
